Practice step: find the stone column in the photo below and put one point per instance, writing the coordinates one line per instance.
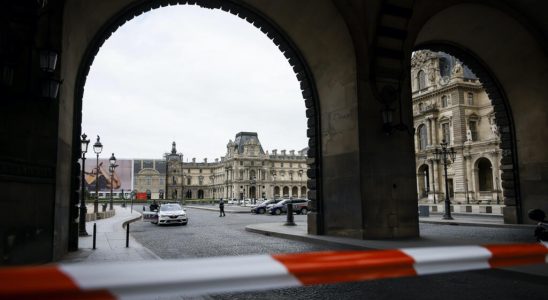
(475, 183)
(497, 183)
(431, 175)
(435, 131)
(429, 128)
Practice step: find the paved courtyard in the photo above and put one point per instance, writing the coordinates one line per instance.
(207, 234)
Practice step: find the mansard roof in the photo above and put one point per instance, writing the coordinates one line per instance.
(243, 138)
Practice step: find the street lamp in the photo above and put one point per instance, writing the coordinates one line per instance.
(112, 168)
(97, 148)
(83, 210)
(445, 154)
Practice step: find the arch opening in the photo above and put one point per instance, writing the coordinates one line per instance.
(280, 39)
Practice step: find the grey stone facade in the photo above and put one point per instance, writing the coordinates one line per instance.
(246, 171)
(450, 103)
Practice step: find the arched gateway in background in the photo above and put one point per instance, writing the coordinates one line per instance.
(353, 61)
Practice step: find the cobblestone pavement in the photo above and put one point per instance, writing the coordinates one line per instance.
(207, 234)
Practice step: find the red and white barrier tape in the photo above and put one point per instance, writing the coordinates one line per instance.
(192, 277)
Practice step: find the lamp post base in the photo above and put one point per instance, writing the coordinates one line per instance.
(447, 217)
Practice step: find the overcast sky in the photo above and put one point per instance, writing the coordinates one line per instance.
(194, 76)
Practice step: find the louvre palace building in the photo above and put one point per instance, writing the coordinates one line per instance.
(245, 171)
(449, 103)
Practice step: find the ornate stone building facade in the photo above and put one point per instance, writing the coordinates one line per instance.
(246, 171)
(449, 103)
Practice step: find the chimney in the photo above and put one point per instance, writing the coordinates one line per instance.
(216, 160)
(292, 152)
(274, 152)
(283, 152)
(205, 160)
(194, 160)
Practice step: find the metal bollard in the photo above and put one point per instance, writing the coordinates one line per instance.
(289, 221)
(127, 235)
(94, 234)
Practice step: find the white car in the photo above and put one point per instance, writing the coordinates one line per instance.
(172, 213)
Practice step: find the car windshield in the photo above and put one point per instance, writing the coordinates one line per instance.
(170, 207)
(285, 201)
(269, 201)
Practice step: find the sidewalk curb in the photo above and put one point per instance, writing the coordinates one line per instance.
(305, 238)
(217, 210)
(129, 221)
(471, 224)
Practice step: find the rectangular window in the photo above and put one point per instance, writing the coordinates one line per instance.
(200, 171)
(472, 125)
(470, 99)
(444, 101)
(282, 165)
(446, 133)
(241, 163)
(188, 180)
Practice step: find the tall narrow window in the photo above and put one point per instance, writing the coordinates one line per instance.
(421, 107)
(422, 137)
(446, 133)
(470, 99)
(444, 101)
(421, 80)
(472, 125)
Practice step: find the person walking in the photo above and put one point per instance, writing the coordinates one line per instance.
(221, 208)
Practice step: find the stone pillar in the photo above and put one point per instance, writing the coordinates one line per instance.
(497, 181)
(431, 175)
(475, 183)
(458, 177)
(435, 131)
(429, 128)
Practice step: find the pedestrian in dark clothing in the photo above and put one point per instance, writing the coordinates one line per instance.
(153, 206)
(221, 208)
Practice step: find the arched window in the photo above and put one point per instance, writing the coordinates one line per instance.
(276, 191)
(423, 137)
(485, 175)
(421, 107)
(421, 80)
(295, 192)
(423, 178)
(285, 191)
(444, 101)
(252, 175)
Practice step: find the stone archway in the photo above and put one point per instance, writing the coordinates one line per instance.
(423, 181)
(255, 18)
(507, 77)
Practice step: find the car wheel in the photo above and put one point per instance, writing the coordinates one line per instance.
(277, 211)
(261, 211)
(185, 223)
(304, 211)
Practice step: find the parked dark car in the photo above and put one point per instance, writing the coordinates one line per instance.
(261, 208)
(300, 206)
